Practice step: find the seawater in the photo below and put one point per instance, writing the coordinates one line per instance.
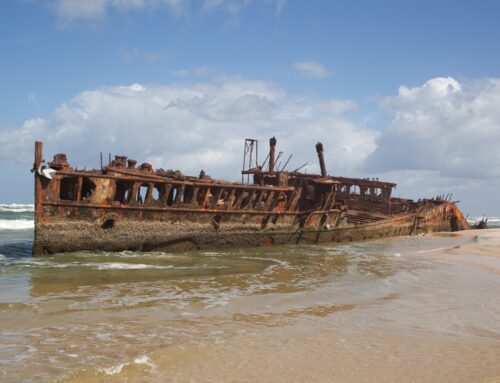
(404, 309)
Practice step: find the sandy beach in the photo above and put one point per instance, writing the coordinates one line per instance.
(483, 242)
(377, 343)
(409, 309)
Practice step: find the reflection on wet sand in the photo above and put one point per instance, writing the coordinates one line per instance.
(279, 319)
(407, 309)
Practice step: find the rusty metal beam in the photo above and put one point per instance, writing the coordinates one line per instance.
(146, 179)
(164, 209)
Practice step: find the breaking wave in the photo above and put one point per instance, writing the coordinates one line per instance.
(16, 224)
(17, 207)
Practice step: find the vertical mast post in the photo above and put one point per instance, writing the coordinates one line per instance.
(38, 192)
(272, 148)
(319, 150)
(38, 182)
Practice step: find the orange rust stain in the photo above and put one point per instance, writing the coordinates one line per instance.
(267, 241)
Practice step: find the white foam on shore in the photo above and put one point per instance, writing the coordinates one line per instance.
(16, 224)
(274, 260)
(220, 299)
(129, 266)
(113, 370)
(432, 250)
(144, 359)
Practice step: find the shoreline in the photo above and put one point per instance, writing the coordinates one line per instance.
(408, 335)
(482, 242)
(414, 309)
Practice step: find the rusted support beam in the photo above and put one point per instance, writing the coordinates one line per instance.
(166, 209)
(329, 199)
(79, 189)
(194, 197)
(295, 199)
(261, 196)
(180, 194)
(135, 190)
(216, 198)
(334, 195)
(149, 194)
(270, 201)
(166, 193)
(250, 200)
(206, 198)
(242, 195)
(230, 199)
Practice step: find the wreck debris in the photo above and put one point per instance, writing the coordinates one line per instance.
(482, 224)
(123, 206)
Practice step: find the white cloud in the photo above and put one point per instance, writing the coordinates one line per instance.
(75, 10)
(445, 137)
(235, 6)
(232, 6)
(194, 126)
(443, 125)
(94, 11)
(310, 69)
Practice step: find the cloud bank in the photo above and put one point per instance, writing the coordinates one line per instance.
(445, 126)
(194, 126)
(444, 136)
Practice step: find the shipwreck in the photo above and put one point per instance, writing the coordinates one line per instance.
(126, 206)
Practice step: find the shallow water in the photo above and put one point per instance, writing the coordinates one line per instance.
(407, 309)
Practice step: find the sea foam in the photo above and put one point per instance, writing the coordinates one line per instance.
(129, 266)
(113, 370)
(144, 359)
(117, 369)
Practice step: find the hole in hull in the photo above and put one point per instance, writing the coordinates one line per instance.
(108, 224)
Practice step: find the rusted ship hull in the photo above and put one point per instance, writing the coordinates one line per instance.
(123, 208)
(164, 231)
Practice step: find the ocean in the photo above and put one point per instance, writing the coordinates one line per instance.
(409, 309)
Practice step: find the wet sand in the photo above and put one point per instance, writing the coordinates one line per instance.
(412, 309)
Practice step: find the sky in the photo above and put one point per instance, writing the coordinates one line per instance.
(406, 91)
